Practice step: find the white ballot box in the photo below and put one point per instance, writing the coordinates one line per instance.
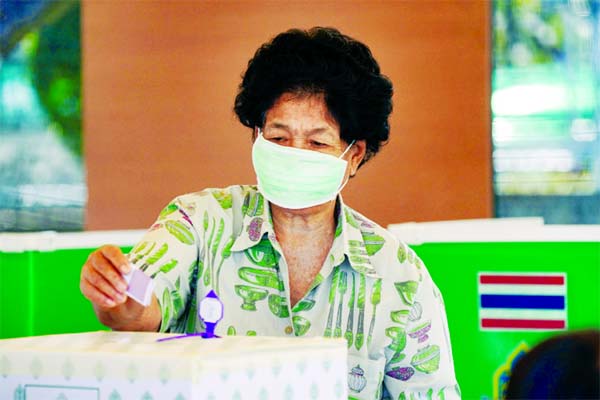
(128, 365)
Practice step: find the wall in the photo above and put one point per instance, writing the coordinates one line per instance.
(160, 79)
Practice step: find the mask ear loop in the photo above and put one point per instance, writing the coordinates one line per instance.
(343, 184)
(347, 148)
(344, 153)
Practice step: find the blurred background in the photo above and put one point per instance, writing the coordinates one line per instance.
(109, 109)
(42, 178)
(545, 108)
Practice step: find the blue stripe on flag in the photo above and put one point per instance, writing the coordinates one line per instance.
(522, 301)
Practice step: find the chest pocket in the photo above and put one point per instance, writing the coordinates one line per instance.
(365, 377)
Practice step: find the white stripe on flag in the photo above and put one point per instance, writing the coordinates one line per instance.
(522, 289)
(516, 313)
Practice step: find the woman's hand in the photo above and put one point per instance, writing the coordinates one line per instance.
(102, 283)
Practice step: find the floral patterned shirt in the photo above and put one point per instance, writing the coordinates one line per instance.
(372, 290)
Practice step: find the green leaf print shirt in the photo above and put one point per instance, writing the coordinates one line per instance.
(372, 290)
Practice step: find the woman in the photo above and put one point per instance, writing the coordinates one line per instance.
(288, 257)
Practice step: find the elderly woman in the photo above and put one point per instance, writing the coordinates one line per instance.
(287, 257)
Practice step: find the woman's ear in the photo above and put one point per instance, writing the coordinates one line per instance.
(357, 154)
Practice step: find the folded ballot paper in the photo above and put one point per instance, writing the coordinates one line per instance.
(139, 286)
(128, 365)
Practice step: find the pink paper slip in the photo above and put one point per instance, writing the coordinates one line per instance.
(140, 286)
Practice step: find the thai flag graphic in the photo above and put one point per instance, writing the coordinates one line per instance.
(522, 301)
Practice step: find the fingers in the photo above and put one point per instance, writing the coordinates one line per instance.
(95, 296)
(101, 282)
(110, 284)
(116, 257)
(107, 270)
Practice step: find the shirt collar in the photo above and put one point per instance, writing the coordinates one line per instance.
(256, 221)
(357, 233)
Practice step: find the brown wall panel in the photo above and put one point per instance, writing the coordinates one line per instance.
(160, 78)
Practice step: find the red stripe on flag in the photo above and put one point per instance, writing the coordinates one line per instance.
(523, 323)
(522, 279)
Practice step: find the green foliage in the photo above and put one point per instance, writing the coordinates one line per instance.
(56, 75)
(526, 32)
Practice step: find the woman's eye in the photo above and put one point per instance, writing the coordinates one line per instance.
(276, 139)
(318, 144)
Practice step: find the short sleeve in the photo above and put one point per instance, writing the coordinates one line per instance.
(427, 369)
(168, 253)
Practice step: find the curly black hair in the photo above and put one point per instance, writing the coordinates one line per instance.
(320, 61)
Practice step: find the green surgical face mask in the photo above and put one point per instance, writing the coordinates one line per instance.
(297, 178)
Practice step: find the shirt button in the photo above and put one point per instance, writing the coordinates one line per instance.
(289, 330)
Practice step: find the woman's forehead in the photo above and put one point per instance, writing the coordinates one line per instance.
(301, 112)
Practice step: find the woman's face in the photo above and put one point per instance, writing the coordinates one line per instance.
(304, 122)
